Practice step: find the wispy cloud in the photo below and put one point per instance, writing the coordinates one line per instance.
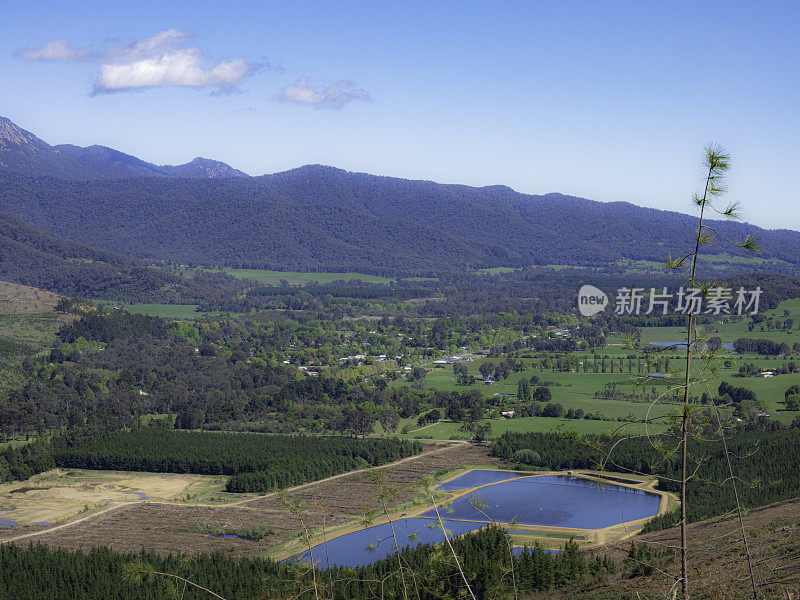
(58, 50)
(162, 60)
(333, 97)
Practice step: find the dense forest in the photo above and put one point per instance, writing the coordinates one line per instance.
(33, 257)
(483, 555)
(321, 218)
(22, 462)
(259, 463)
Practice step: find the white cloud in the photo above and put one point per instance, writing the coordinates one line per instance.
(58, 50)
(176, 68)
(156, 61)
(334, 97)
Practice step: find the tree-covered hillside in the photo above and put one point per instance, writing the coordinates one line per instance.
(33, 257)
(320, 218)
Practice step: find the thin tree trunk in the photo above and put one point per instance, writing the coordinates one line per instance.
(685, 419)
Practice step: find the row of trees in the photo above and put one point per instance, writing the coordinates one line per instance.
(758, 346)
(269, 461)
(40, 572)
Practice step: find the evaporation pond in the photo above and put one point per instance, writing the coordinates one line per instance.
(556, 501)
(477, 477)
(373, 544)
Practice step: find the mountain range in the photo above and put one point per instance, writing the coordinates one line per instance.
(322, 218)
(23, 152)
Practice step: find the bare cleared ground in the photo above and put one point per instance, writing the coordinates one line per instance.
(16, 298)
(161, 526)
(717, 563)
(59, 494)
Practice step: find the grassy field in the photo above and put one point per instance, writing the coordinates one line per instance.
(32, 329)
(718, 259)
(296, 278)
(577, 390)
(167, 311)
(13, 443)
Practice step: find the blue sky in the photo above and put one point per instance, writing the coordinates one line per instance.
(605, 100)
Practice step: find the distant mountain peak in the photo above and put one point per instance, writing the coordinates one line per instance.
(23, 152)
(12, 134)
(203, 167)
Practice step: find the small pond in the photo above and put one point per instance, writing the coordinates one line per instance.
(556, 501)
(549, 500)
(477, 477)
(374, 543)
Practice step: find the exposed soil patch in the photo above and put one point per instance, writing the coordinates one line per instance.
(158, 526)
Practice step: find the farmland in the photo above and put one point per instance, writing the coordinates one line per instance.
(577, 389)
(295, 278)
(166, 311)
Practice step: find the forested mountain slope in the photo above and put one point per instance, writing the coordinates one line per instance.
(222, 222)
(33, 257)
(319, 218)
(322, 218)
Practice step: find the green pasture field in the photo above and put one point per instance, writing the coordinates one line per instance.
(296, 278)
(14, 443)
(577, 389)
(564, 267)
(735, 328)
(740, 260)
(723, 261)
(166, 311)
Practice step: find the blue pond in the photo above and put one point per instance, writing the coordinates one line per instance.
(551, 500)
(557, 501)
(372, 544)
(142, 495)
(476, 478)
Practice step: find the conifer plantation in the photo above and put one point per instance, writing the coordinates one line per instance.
(258, 462)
